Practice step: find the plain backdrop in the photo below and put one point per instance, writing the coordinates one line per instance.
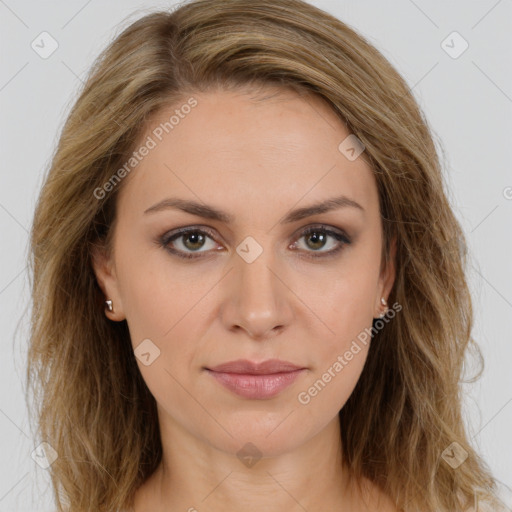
(467, 99)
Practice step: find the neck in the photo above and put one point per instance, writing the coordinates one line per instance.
(195, 476)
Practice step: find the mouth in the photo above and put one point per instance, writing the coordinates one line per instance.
(257, 381)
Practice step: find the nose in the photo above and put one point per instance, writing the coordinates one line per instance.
(257, 300)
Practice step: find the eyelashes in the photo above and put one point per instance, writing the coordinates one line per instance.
(199, 235)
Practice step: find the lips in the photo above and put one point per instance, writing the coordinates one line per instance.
(268, 367)
(256, 381)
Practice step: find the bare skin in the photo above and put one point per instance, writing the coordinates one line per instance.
(256, 161)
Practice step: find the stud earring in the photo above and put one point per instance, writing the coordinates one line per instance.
(384, 303)
(109, 305)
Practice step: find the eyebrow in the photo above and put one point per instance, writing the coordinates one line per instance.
(210, 212)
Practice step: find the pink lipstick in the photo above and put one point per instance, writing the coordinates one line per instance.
(257, 381)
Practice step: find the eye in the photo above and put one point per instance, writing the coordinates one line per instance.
(191, 242)
(316, 238)
(187, 239)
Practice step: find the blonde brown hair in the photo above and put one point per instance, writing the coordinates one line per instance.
(90, 401)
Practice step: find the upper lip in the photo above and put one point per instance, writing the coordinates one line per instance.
(243, 366)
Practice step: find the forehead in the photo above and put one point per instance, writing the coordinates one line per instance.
(248, 151)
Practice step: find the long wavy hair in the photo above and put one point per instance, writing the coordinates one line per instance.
(89, 401)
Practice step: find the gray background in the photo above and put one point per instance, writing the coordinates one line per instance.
(467, 101)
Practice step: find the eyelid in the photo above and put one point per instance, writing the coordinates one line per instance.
(175, 234)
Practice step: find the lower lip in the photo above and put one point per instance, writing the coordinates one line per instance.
(256, 387)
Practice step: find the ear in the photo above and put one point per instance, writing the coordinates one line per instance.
(104, 270)
(386, 279)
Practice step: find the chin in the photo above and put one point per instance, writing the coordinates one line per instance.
(268, 434)
(249, 443)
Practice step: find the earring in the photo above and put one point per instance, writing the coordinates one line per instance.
(384, 303)
(109, 305)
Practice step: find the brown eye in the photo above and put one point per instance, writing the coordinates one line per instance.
(189, 242)
(193, 240)
(185, 242)
(318, 237)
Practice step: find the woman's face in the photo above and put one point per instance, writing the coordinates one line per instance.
(247, 281)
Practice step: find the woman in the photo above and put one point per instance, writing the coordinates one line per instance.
(249, 287)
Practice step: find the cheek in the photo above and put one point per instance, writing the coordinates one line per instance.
(167, 315)
(340, 355)
(344, 299)
(332, 386)
(163, 302)
(346, 307)
(163, 312)
(158, 293)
